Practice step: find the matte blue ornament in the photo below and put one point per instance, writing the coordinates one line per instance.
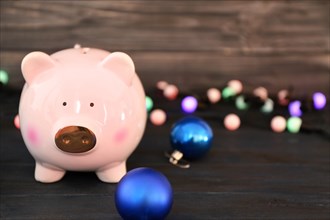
(192, 136)
(144, 193)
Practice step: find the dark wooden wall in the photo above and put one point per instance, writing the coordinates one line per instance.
(194, 44)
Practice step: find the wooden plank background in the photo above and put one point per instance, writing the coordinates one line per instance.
(276, 44)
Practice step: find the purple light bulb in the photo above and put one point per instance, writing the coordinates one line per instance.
(294, 108)
(189, 104)
(319, 100)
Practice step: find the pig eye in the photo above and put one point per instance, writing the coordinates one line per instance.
(64, 103)
(91, 104)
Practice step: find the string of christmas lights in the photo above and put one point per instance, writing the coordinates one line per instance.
(289, 117)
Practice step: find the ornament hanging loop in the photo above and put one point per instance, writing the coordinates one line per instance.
(175, 158)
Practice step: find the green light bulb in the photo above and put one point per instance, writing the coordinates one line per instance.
(294, 124)
(149, 103)
(268, 106)
(4, 77)
(240, 103)
(228, 92)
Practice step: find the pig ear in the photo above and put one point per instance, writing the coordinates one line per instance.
(35, 63)
(120, 64)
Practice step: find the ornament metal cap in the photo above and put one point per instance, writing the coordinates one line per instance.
(175, 158)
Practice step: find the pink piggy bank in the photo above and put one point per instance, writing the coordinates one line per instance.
(81, 109)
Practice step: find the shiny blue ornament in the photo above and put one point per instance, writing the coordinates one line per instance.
(144, 193)
(192, 136)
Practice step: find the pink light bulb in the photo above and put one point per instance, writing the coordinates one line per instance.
(283, 97)
(278, 124)
(157, 117)
(214, 95)
(261, 92)
(161, 85)
(232, 122)
(171, 92)
(16, 122)
(236, 85)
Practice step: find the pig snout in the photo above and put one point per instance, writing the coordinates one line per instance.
(75, 139)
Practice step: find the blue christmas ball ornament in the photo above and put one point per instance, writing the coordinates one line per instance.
(144, 193)
(192, 136)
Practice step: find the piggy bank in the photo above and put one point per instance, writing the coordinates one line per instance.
(81, 109)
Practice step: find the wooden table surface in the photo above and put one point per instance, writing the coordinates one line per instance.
(263, 43)
(251, 173)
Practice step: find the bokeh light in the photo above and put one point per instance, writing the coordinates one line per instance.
(189, 104)
(319, 100)
(261, 92)
(149, 103)
(228, 92)
(171, 92)
(236, 85)
(268, 106)
(232, 122)
(240, 103)
(161, 85)
(295, 108)
(157, 117)
(4, 78)
(294, 124)
(213, 95)
(16, 122)
(283, 97)
(278, 124)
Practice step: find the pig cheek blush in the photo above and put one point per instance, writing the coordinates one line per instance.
(121, 135)
(32, 136)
